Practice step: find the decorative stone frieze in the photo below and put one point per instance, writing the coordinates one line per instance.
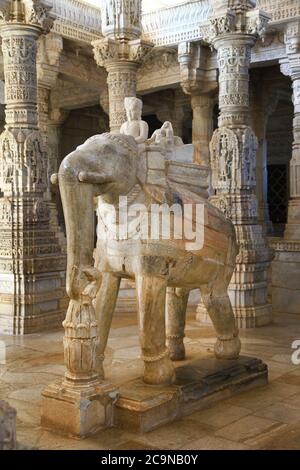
(233, 30)
(31, 259)
(121, 52)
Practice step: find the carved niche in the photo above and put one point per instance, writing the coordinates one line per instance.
(233, 158)
(9, 159)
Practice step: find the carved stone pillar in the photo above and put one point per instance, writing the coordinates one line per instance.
(54, 126)
(286, 265)
(32, 264)
(48, 53)
(263, 104)
(120, 52)
(56, 118)
(200, 82)
(233, 30)
(292, 68)
(202, 106)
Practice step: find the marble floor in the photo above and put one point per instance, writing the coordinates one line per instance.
(264, 418)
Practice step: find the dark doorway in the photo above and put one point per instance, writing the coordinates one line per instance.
(278, 196)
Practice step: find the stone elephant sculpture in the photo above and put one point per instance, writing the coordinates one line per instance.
(101, 170)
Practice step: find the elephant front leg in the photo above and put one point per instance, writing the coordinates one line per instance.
(151, 297)
(104, 306)
(177, 299)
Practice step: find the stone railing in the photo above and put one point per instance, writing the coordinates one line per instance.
(280, 9)
(167, 26)
(76, 20)
(176, 24)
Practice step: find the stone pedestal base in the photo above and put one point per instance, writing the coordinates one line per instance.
(247, 317)
(77, 411)
(286, 276)
(253, 317)
(292, 228)
(141, 408)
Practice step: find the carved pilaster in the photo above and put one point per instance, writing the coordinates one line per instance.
(31, 260)
(233, 31)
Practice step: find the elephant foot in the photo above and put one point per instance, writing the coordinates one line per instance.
(176, 349)
(158, 370)
(228, 348)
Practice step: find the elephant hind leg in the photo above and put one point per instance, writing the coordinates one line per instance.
(177, 299)
(151, 299)
(218, 305)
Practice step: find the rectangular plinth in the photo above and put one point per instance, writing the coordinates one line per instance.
(77, 412)
(141, 407)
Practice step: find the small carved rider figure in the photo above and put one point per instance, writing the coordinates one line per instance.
(134, 125)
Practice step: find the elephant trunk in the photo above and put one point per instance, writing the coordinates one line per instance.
(78, 206)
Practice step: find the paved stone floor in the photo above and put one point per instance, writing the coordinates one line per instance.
(264, 418)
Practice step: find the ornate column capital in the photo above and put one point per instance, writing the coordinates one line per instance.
(34, 13)
(238, 18)
(108, 51)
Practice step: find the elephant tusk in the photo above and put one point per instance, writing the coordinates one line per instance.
(91, 177)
